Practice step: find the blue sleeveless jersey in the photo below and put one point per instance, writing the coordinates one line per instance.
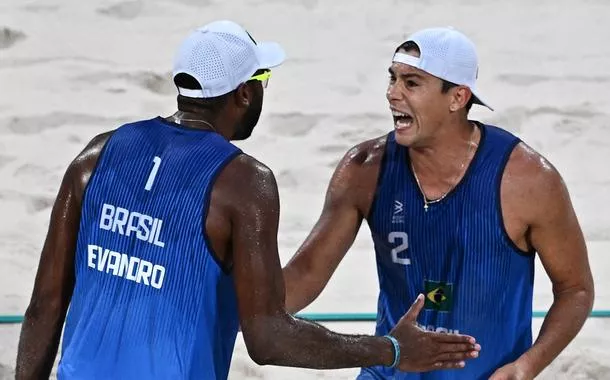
(458, 254)
(151, 301)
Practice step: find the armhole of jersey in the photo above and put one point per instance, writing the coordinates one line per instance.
(206, 207)
(382, 164)
(503, 164)
(94, 171)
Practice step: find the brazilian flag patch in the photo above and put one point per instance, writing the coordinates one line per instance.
(439, 296)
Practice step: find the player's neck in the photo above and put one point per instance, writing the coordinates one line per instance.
(200, 120)
(448, 152)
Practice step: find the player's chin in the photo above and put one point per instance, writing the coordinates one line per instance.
(406, 136)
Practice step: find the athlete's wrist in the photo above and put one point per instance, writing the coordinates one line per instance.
(395, 350)
(526, 366)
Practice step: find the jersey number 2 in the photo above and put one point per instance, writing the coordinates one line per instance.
(153, 173)
(403, 243)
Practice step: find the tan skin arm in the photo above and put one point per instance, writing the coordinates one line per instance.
(535, 196)
(348, 199)
(54, 283)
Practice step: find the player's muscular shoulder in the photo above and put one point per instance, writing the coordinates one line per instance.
(242, 179)
(358, 171)
(83, 165)
(366, 155)
(529, 186)
(239, 182)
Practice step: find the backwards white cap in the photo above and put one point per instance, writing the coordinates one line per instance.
(446, 54)
(222, 55)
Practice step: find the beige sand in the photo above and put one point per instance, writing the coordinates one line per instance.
(70, 69)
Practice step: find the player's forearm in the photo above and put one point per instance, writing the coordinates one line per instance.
(38, 344)
(564, 320)
(299, 343)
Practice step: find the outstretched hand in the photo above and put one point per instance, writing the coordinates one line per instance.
(422, 350)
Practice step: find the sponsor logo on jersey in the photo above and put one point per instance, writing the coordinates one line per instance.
(438, 329)
(398, 214)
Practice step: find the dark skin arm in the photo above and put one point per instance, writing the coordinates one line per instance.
(535, 188)
(348, 199)
(54, 283)
(273, 336)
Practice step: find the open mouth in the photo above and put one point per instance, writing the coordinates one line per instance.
(402, 120)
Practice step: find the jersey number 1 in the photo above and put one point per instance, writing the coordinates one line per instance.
(153, 173)
(402, 239)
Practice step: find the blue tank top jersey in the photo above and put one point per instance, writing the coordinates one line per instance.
(151, 301)
(476, 281)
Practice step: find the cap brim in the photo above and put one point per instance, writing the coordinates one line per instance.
(270, 54)
(477, 100)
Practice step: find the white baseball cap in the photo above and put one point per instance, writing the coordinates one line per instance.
(222, 55)
(446, 54)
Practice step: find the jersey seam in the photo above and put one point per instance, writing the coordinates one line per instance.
(206, 207)
(503, 164)
(98, 163)
(369, 217)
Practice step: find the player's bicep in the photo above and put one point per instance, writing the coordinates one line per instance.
(556, 235)
(256, 264)
(55, 276)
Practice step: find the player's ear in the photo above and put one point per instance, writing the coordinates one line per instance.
(243, 95)
(460, 95)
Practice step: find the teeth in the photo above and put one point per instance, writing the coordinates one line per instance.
(398, 114)
(403, 124)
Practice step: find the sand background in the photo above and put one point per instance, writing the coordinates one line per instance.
(72, 69)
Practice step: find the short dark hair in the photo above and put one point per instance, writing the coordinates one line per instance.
(409, 45)
(446, 85)
(213, 105)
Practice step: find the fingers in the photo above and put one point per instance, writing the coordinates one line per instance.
(415, 309)
(449, 365)
(456, 356)
(454, 360)
(450, 347)
(451, 338)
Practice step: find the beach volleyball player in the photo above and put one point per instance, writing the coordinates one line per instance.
(457, 210)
